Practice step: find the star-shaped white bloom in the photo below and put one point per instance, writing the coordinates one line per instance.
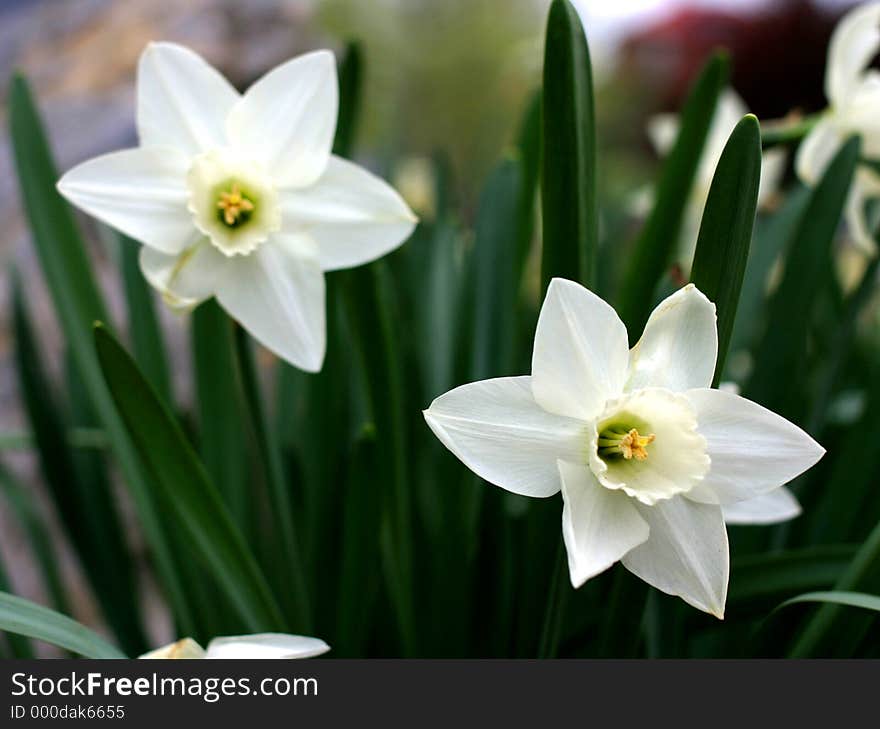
(663, 130)
(239, 197)
(853, 93)
(260, 645)
(647, 456)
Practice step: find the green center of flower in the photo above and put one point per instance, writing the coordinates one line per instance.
(233, 201)
(621, 438)
(234, 206)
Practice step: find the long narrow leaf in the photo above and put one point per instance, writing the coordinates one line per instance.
(296, 599)
(771, 234)
(765, 577)
(726, 229)
(184, 486)
(368, 298)
(78, 485)
(222, 435)
(780, 356)
(350, 82)
(78, 304)
(529, 147)
(568, 180)
(26, 514)
(147, 342)
(496, 278)
(845, 599)
(654, 247)
(19, 645)
(360, 563)
(24, 617)
(862, 574)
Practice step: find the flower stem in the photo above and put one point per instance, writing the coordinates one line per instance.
(779, 133)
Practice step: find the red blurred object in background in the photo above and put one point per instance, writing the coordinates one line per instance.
(777, 52)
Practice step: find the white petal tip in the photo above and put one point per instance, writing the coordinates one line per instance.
(311, 366)
(154, 47)
(323, 56)
(579, 578)
(325, 53)
(691, 290)
(816, 452)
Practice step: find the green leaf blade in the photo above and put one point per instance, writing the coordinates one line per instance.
(726, 229)
(184, 486)
(780, 354)
(568, 181)
(654, 246)
(78, 303)
(147, 341)
(24, 617)
(843, 599)
(351, 70)
(863, 573)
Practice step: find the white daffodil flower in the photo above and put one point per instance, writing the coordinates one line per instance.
(663, 131)
(260, 645)
(646, 455)
(239, 197)
(853, 93)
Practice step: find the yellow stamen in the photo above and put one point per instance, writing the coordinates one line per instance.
(633, 445)
(233, 204)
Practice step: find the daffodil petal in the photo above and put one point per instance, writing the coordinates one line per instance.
(752, 450)
(353, 216)
(141, 192)
(679, 346)
(860, 115)
(686, 553)
(182, 101)
(187, 279)
(181, 649)
(662, 130)
(599, 526)
(817, 150)
(853, 45)
(728, 113)
(770, 508)
(266, 645)
(288, 118)
(863, 188)
(580, 355)
(773, 165)
(677, 461)
(279, 298)
(496, 429)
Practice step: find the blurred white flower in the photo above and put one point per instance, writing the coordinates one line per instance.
(260, 645)
(239, 197)
(647, 456)
(853, 93)
(663, 130)
(414, 178)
